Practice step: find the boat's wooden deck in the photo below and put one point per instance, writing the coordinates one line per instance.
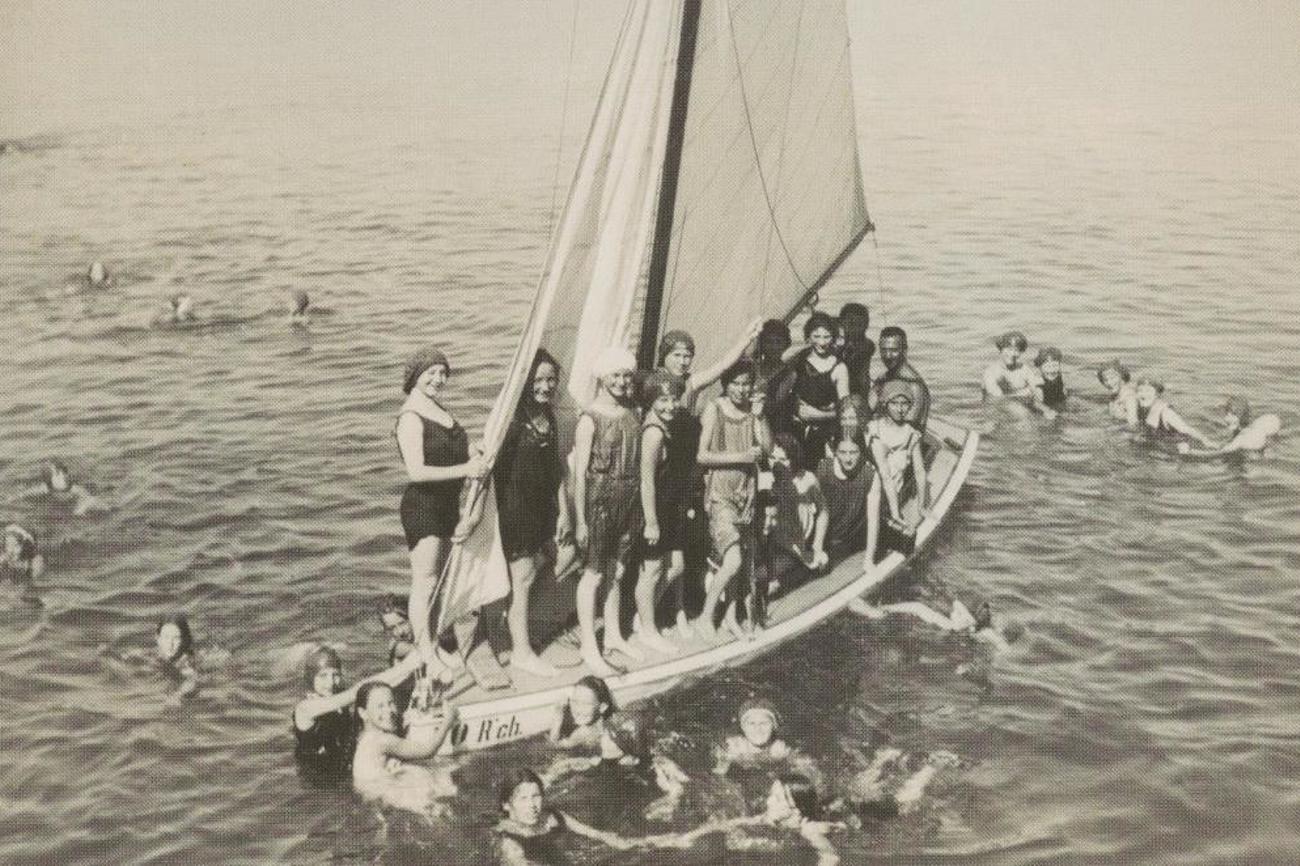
(562, 652)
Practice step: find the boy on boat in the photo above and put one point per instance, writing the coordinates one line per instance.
(734, 438)
(893, 354)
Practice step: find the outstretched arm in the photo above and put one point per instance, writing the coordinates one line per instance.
(309, 709)
(697, 382)
(425, 733)
(1176, 422)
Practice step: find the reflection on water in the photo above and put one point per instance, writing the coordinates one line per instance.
(1113, 181)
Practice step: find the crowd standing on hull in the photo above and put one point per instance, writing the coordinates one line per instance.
(734, 484)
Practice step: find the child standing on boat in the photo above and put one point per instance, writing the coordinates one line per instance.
(734, 438)
(607, 489)
(896, 448)
(821, 382)
(664, 500)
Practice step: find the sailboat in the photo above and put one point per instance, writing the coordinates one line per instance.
(719, 183)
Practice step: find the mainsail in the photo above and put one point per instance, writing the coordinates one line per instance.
(719, 183)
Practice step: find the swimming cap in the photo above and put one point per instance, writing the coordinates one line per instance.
(421, 361)
(320, 659)
(1238, 406)
(672, 340)
(894, 388)
(613, 360)
(661, 383)
(759, 705)
(1015, 338)
(1049, 353)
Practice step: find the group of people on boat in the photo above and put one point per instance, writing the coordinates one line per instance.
(795, 464)
(1140, 403)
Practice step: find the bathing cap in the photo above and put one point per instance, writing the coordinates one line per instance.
(320, 659)
(894, 388)
(613, 360)
(421, 361)
(759, 705)
(1015, 338)
(661, 383)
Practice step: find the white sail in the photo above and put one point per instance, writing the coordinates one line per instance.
(769, 194)
(587, 298)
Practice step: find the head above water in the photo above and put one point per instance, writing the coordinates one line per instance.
(174, 638)
(1149, 389)
(521, 796)
(1236, 411)
(182, 307)
(1014, 339)
(97, 275)
(57, 476)
(299, 302)
(759, 721)
(1047, 353)
(1114, 371)
(420, 361)
(590, 700)
(19, 544)
(322, 672)
(376, 706)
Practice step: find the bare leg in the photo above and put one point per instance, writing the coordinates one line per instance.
(731, 562)
(588, 586)
(426, 559)
(522, 573)
(614, 639)
(675, 579)
(647, 588)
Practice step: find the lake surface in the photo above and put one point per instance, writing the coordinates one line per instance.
(1114, 179)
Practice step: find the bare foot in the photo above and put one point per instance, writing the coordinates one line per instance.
(658, 643)
(704, 628)
(532, 664)
(601, 668)
(625, 648)
(682, 622)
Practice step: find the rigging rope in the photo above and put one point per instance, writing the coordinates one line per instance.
(564, 115)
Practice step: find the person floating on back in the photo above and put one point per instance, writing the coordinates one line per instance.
(58, 486)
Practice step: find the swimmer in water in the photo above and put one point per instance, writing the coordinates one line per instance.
(380, 768)
(1248, 432)
(175, 644)
(865, 794)
(97, 276)
(179, 311)
(1115, 378)
(401, 637)
(58, 486)
(20, 558)
(978, 625)
(530, 834)
(1049, 390)
(323, 722)
(298, 304)
(758, 742)
(1159, 418)
(581, 720)
(1007, 379)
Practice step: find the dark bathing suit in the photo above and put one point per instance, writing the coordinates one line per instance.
(432, 508)
(1054, 393)
(324, 751)
(527, 475)
(672, 489)
(542, 848)
(817, 389)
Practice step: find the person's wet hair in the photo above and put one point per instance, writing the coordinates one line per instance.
(672, 340)
(321, 658)
(816, 321)
(789, 443)
(600, 689)
(364, 691)
(893, 331)
(742, 367)
(1012, 338)
(983, 615)
(1123, 371)
(511, 781)
(1047, 353)
(183, 626)
(855, 317)
(661, 383)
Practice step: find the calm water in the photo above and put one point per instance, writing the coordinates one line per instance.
(1116, 181)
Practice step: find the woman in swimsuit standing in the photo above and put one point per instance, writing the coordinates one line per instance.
(435, 452)
(821, 382)
(528, 474)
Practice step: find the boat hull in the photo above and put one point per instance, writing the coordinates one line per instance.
(486, 719)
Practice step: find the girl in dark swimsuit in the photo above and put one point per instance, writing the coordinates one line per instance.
(1159, 418)
(821, 382)
(435, 452)
(527, 477)
(1049, 393)
(666, 475)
